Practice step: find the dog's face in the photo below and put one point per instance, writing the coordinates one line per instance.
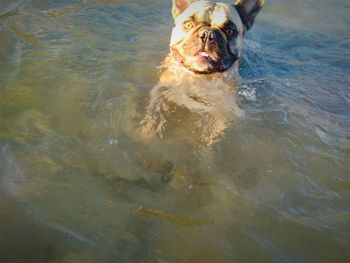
(207, 36)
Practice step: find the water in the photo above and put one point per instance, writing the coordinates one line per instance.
(77, 186)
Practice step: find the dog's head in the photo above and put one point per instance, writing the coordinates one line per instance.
(207, 36)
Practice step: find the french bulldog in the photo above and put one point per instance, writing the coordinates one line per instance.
(195, 98)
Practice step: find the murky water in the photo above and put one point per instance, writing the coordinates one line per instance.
(77, 186)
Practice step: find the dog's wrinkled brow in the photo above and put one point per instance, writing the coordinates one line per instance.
(223, 14)
(229, 24)
(213, 14)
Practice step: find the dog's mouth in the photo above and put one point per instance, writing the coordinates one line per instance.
(204, 62)
(205, 55)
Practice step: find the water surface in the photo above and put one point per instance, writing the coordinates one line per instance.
(76, 186)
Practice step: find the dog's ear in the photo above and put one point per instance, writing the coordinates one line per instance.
(180, 5)
(248, 9)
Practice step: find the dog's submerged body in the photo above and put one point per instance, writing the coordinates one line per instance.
(195, 98)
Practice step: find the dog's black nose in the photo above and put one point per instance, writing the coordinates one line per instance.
(207, 35)
(203, 35)
(212, 35)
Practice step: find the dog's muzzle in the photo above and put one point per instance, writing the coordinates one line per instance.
(207, 51)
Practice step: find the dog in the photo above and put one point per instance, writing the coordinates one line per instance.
(195, 98)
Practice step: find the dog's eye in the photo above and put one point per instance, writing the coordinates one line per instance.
(188, 25)
(230, 31)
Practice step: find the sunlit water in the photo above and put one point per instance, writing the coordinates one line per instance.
(76, 186)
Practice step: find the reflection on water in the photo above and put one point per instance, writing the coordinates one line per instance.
(77, 186)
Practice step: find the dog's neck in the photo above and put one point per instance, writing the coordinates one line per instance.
(172, 71)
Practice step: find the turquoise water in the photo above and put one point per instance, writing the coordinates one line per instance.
(77, 186)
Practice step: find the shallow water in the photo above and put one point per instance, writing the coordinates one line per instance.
(77, 187)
